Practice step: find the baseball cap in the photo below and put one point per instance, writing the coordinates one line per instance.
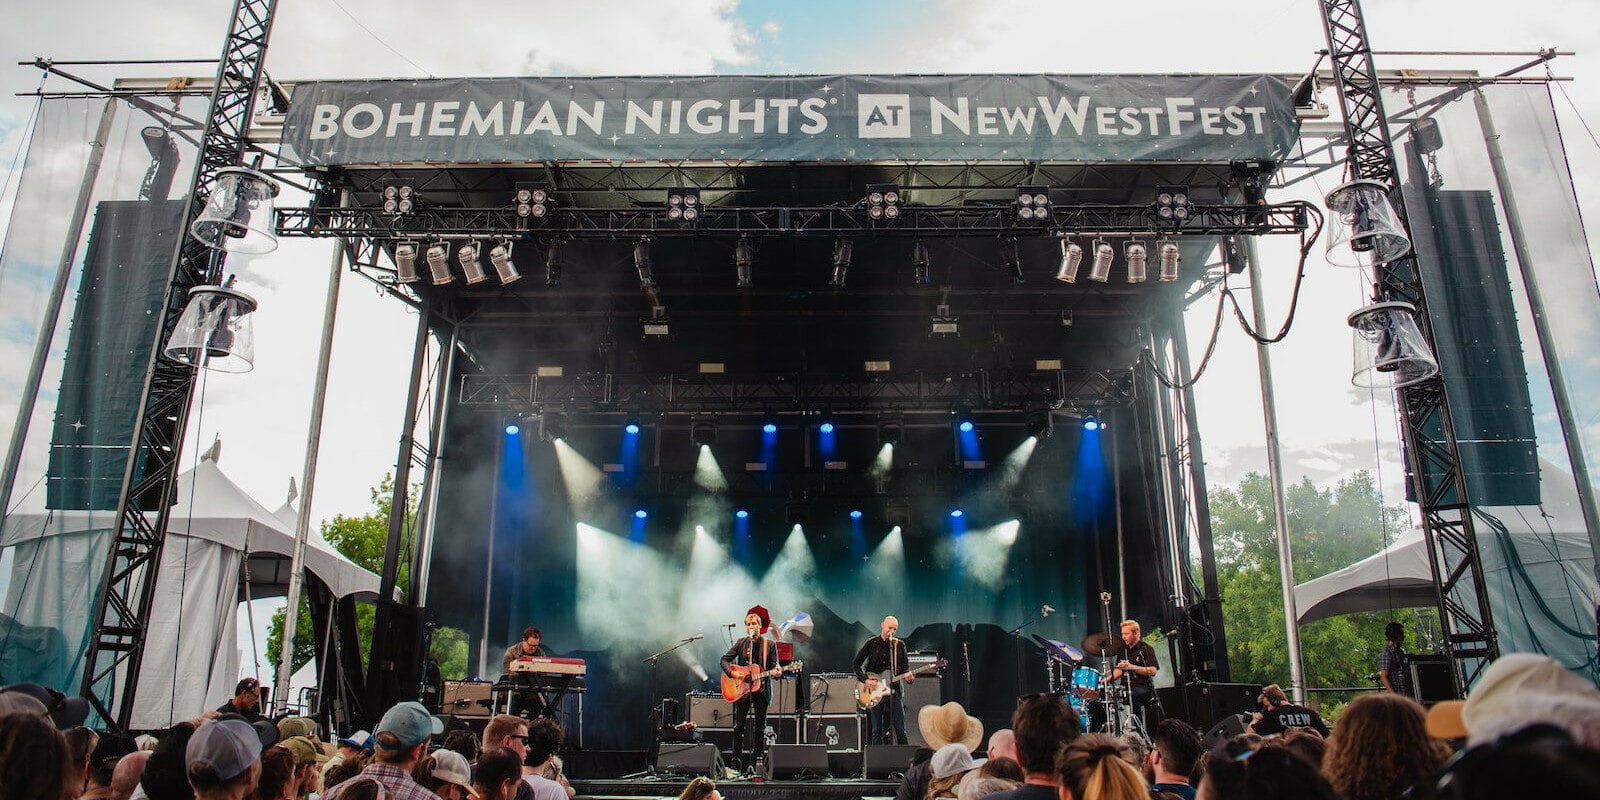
(265, 730)
(410, 723)
(361, 739)
(65, 711)
(305, 751)
(229, 746)
(953, 759)
(296, 726)
(1501, 695)
(450, 766)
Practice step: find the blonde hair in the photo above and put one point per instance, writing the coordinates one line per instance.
(1128, 623)
(1099, 766)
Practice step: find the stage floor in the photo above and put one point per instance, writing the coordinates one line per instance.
(740, 789)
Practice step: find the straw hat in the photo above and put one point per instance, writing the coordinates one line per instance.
(941, 725)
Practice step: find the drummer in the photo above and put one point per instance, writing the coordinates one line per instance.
(1135, 660)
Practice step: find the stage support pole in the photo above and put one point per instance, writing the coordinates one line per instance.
(1171, 508)
(1280, 514)
(1116, 500)
(52, 307)
(1212, 601)
(308, 477)
(427, 521)
(382, 675)
(1570, 425)
(488, 561)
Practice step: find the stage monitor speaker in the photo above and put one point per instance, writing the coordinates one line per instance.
(708, 710)
(1430, 675)
(1229, 727)
(1232, 698)
(927, 691)
(833, 693)
(887, 760)
(782, 729)
(689, 759)
(467, 698)
(834, 731)
(790, 761)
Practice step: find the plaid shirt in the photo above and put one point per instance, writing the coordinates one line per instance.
(397, 781)
(1393, 661)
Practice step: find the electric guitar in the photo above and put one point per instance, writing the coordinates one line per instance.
(744, 680)
(867, 698)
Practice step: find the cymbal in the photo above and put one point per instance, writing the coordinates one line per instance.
(1096, 643)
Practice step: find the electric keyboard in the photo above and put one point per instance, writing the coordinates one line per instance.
(550, 666)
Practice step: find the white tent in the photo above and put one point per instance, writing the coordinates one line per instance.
(190, 661)
(1395, 578)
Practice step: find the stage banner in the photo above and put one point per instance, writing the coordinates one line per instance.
(836, 118)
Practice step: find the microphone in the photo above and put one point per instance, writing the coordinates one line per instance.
(731, 625)
(695, 637)
(1046, 610)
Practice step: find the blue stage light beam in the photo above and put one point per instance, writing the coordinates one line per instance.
(1091, 480)
(743, 548)
(827, 440)
(513, 429)
(971, 447)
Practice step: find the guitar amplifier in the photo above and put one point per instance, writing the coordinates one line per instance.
(927, 691)
(837, 732)
(467, 698)
(785, 695)
(708, 710)
(833, 693)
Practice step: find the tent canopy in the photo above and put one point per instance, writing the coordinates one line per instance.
(1397, 577)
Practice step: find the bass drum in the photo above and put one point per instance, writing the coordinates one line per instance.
(1085, 688)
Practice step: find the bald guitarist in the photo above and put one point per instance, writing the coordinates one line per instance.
(753, 654)
(885, 654)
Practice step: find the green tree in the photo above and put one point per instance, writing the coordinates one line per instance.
(362, 539)
(1329, 529)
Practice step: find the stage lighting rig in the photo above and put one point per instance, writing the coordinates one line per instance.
(405, 262)
(438, 255)
(744, 262)
(883, 201)
(1033, 205)
(531, 202)
(467, 257)
(1169, 257)
(500, 258)
(683, 205)
(1100, 270)
(399, 198)
(1137, 257)
(1071, 260)
(1172, 204)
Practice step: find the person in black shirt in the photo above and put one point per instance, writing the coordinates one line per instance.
(1138, 663)
(1277, 714)
(1392, 670)
(761, 654)
(246, 700)
(885, 654)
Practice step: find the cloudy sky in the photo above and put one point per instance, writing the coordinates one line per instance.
(1329, 429)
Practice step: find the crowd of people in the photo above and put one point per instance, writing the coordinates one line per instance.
(1530, 726)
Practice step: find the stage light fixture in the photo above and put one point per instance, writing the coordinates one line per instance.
(644, 263)
(467, 257)
(769, 428)
(883, 201)
(703, 433)
(1137, 256)
(1100, 271)
(1093, 423)
(552, 426)
(855, 513)
(531, 202)
(500, 258)
(742, 514)
(965, 426)
(826, 427)
(1033, 205)
(919, 264)
(405, 262)
(683, 205)
(1169, 257)
(513, 429)
(889, 431)
(238, 216)
(438, 255)
(399, 198)
(1040, 425)
(744, 262)
(631, 429)
(1361, 217)
(957, 514)
(1172, 204)
(1071, 260)
(552, 264)
(842, 255)
(640, 514)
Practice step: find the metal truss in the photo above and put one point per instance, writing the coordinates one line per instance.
(1432, 459)
(968, 220)
(127, 586)
(710, 394)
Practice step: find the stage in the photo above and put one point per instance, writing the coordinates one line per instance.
(667, 787)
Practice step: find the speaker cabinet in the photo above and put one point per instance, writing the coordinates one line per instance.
(1227, 728)
(1430, 674)
(833, 693)
(467, 698)
(788, 761)
(837, 732)
(927, 691)
(708, 710)
(689, 759)
(882, 761)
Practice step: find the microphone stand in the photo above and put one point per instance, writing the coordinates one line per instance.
(1114, 706)
(654, 660)
(1017, 632)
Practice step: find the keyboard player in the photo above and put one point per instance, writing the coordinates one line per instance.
(525, 702)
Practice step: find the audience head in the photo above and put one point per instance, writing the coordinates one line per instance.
(508, 732)
(1303, 742)
(368, 789)
(355, 744)
(221, 756)
(33, 758)
(166, 774)
(700, 789)
(462, 741)
(108, 753)
(943, 724)
(449, 775)
(1394, 632)
(276, 781)
(80, 742)
(346, 769)
(403, 733)
(1099, 767)
(1002, 744)
(1239, 769)
(544, 740)
(246, 694)
(1272, 696)
(985, 785)
(1536, 761)
(308, 760)
(64, 711)
(1003, 768)
(497, 774)
(289, 727)
(1380, 747)
(945, 770)
(1174, 750)
(1043, 724)
(127, 774)
(1517, 690)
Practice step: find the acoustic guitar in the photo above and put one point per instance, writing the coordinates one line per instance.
(745, 680)
(867, 698)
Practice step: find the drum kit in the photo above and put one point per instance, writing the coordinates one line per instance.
(1086, 686)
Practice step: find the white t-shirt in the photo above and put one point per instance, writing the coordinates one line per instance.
(544, 788)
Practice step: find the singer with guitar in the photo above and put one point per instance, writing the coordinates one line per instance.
(750, 659)
(885, 654)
